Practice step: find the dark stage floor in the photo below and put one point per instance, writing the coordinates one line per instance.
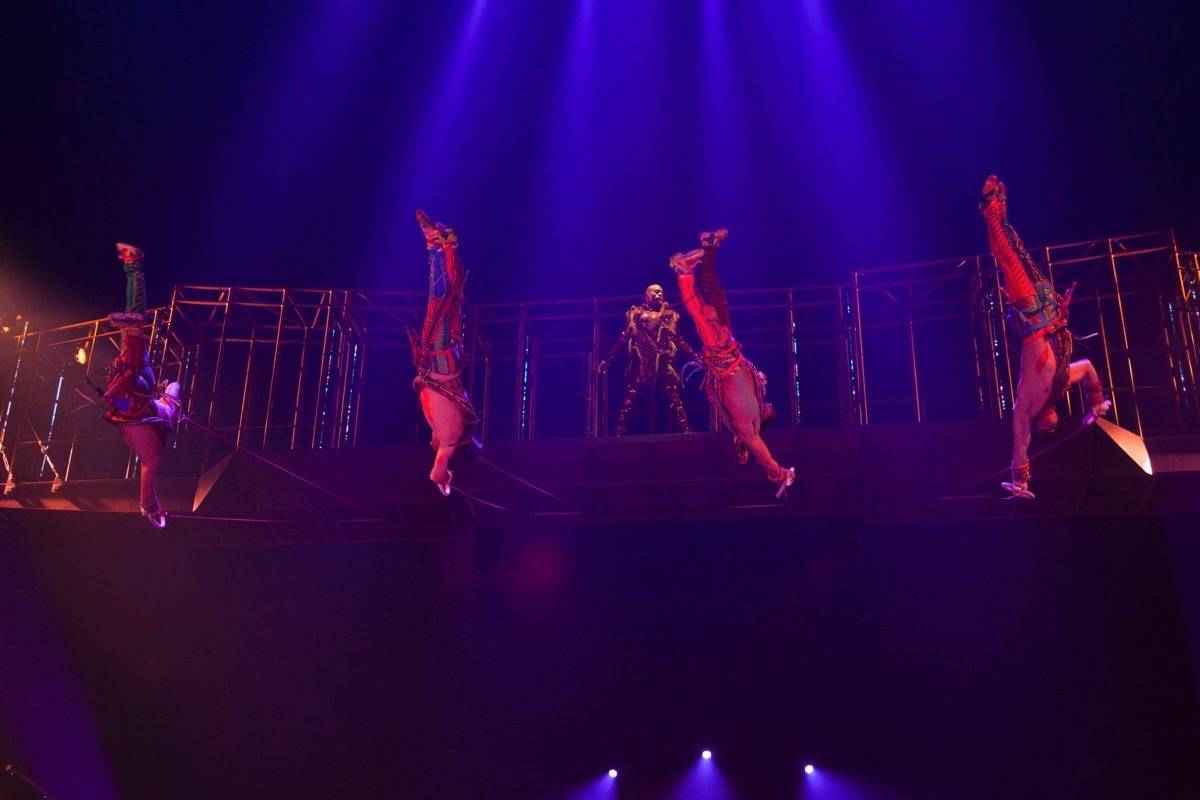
(894, 621)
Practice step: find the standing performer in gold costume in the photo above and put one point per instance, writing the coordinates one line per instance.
(652, 340)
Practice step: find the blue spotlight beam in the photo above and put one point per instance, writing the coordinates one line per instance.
(302, 106)
(424, 175)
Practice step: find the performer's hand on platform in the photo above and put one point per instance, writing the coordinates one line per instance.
(128, 253)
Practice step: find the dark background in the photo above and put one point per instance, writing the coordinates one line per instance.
(575, 145)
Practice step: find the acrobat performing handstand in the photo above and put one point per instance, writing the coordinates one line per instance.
(144, 411)
(732, 383)
(652, 341)
(438, 352)
(1038, 315)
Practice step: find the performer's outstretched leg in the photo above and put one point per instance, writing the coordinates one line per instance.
(147, 442)
(1006, 245)
(1038, 366)
(135, 285)
(671, 385)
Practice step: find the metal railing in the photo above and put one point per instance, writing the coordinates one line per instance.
(284, 368)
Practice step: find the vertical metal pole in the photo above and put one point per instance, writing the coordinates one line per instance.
(522, 376)
(487, 389)
(989, 323)
(1050, 271)
(793, 363)
(981, 378)
(12, 395)
(1167, 323)
(1112, 389)
(864, 416)
(345, 369)
(999, 307)
(472, 351)
(299, 402)
(1137, 414)
(534, 353)
(36, 363)
(88, 350)
(1191, 354)
(912, 351)
(362, 371)
(212, 399)
(326, 304)
(283, 300)
(846, 374)
(195, 379)
(246, 386)
(167, 336)
(593, 377)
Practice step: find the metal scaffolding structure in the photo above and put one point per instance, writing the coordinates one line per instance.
(312, 369)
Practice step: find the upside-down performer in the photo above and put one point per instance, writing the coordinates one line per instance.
(438, 351)
(144, 410)
(732, 383)
(652, 340)
(1038, 315)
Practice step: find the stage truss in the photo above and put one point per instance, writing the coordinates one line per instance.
(313, 369)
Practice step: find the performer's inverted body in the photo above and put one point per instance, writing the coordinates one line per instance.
(145, 412)
(1038, 315)
(438, 350)
(652, 340)
(732, 383)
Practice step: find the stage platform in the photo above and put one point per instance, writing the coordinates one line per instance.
(878, 473)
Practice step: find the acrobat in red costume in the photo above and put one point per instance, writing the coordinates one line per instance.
(1039, 316)
(145, 411)
(732, 383)
(437, 353)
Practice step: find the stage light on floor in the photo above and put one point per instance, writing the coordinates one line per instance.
(808, 769)
(612, 773)
(706, 755)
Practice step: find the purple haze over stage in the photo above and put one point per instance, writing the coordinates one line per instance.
(576, 145)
